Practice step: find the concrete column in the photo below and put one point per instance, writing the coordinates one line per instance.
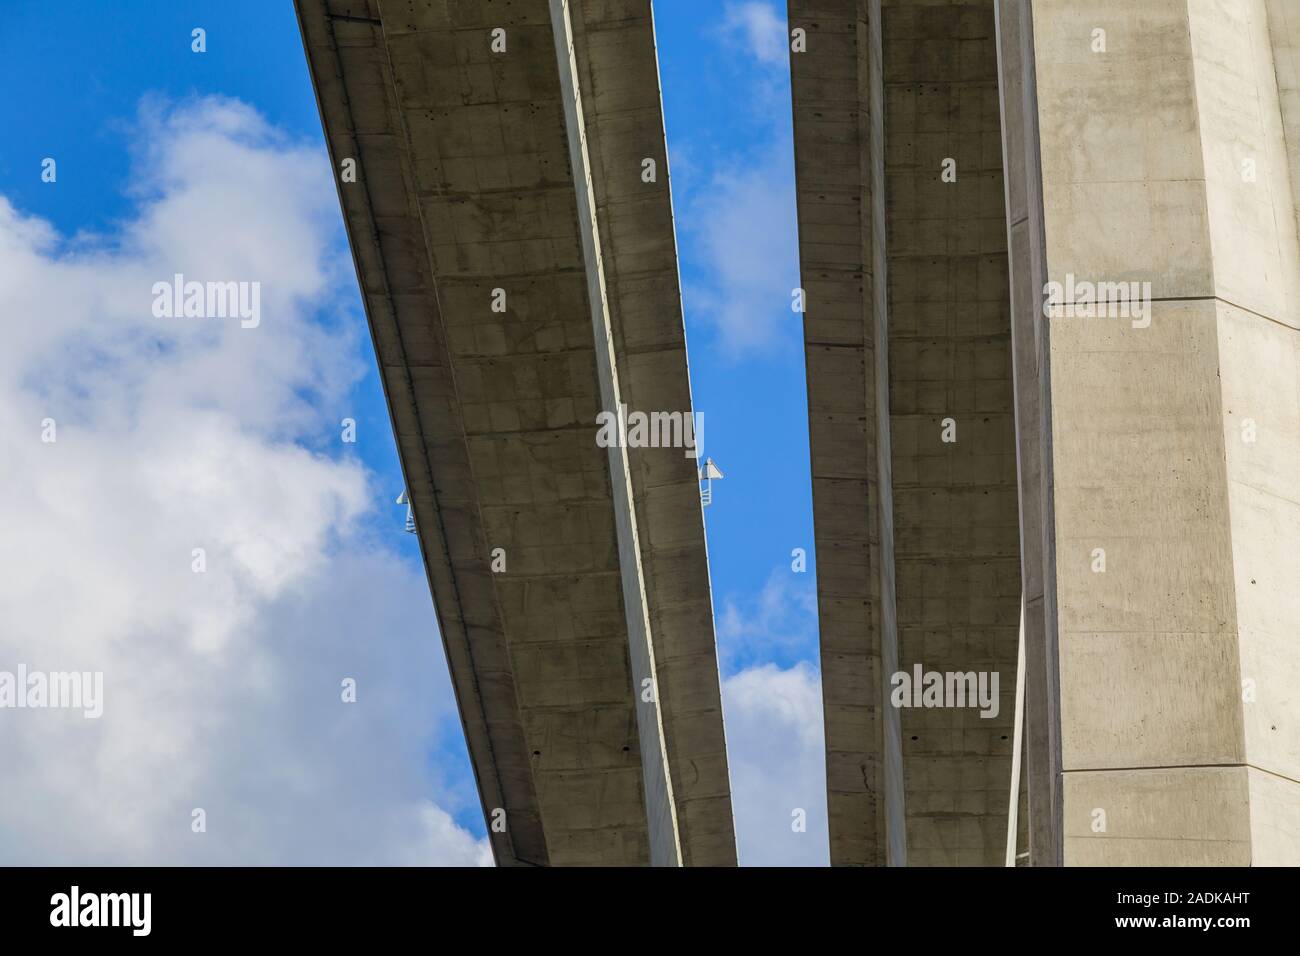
(1168, 428)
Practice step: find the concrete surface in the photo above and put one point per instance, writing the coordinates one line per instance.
(1162, 710)
(954, 555)
(1143, 151)
(1161, 694)
(1177, 665)
(467, 162)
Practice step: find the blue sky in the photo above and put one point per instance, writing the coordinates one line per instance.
(119, 88)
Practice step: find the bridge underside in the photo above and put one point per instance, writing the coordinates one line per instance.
(1123, 469)
(519, 274)
(908, 347)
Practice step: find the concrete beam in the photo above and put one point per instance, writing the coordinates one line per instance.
(481, 170)
(908, 341)
(665, 840)
(1040, 802)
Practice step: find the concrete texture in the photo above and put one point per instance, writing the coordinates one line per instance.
(618, 64)
(1161, 704)
(1166, 159)
(954, 555)
(665, 840)
(1039, 841)
(833, 171)
(1162, 716)
(950, 358)
(521, 171)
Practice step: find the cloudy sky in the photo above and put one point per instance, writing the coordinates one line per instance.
(178, 442)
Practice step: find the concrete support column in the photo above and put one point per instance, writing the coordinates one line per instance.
(1167, 426)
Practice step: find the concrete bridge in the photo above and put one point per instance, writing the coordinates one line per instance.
(1090, 509)
(982, 456)
(503, 175)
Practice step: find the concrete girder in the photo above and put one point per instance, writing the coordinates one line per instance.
(907, 339)
(465, 184)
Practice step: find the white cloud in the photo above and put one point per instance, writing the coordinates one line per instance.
(774, 722)
(744, 228)
(775, 751)
(222, 689)
(761, 29)
(780, 620)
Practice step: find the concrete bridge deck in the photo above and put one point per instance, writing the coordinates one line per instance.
(518, 265)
